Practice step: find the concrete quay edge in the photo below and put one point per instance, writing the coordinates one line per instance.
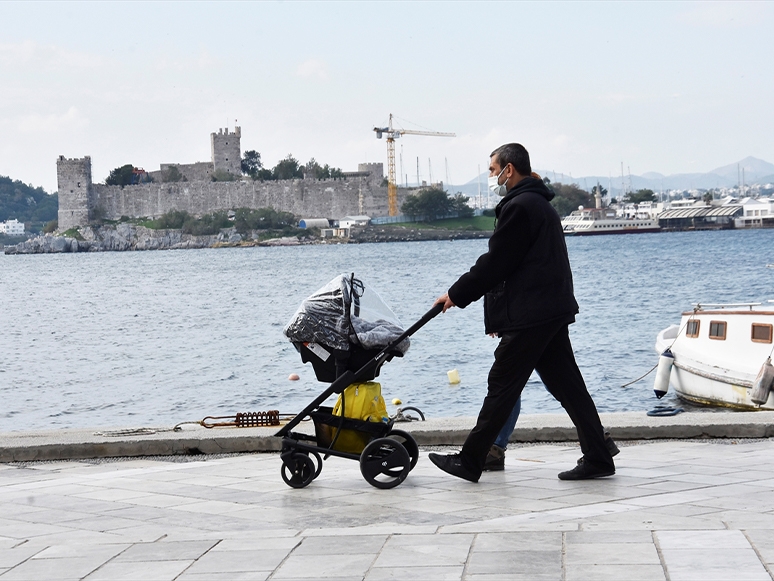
(74, 444)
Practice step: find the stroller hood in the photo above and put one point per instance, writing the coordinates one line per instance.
(343, 313)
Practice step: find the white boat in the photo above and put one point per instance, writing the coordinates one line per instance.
(718, 353)
(589, 221)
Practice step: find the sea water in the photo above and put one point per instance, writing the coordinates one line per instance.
(155, 338)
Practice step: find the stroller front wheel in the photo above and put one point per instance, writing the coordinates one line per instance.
(385, 463)
(298, 470)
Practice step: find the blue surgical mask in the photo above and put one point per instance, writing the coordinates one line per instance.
(495, 186)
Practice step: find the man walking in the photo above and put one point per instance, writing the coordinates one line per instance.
(526, 283)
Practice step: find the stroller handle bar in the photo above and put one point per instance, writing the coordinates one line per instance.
(348, 377)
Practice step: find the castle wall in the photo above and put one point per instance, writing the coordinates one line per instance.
(333, 198)
(199, 171)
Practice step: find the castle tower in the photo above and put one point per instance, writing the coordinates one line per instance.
(74, 184)
(227, 151)
(376, 169)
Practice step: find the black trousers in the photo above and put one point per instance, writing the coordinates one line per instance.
(547, 350)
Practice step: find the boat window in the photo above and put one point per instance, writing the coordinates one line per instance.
(718, 330)
(761, 333)
(692, 330)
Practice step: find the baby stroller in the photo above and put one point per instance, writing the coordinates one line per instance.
(347, 333)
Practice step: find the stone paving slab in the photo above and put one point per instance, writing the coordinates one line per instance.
(232, 517)
(193, 439)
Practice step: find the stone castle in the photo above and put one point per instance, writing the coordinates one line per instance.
(195, 191)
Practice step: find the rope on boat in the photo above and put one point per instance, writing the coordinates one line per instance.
(695, 310)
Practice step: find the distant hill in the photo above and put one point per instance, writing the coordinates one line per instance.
(27, 204)
(756, 171)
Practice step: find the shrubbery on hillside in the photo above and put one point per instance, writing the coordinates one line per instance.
(27, 204)
(244, 221)
(435, 204)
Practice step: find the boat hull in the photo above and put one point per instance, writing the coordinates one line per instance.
(717, 372)
(612, 231)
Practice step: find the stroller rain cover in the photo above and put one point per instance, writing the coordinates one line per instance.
(343, 313)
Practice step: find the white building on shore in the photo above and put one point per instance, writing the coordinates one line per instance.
(12, 228)
(757, 213)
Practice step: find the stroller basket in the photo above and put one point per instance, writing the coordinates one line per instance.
(355, 434)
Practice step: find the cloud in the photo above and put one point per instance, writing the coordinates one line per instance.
(204, 61)
(29, 53)
(615, 98)
(37, 123)
(724, 14)
(312, 68)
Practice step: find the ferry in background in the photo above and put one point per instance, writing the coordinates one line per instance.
(589, 221)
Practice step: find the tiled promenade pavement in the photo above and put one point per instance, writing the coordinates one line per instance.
(676, 510)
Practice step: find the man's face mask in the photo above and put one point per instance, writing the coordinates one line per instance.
(495, 186)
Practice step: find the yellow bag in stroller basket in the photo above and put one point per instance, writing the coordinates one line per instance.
(362, 401)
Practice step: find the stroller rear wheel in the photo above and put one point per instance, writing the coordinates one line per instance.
(298, 469)
(385, 463)
(408, 442)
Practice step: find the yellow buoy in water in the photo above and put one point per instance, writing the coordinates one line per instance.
(454, 376)
(396, 401)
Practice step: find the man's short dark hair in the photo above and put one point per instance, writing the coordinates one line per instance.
(516, 155)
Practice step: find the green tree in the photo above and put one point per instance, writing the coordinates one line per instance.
(430, 204)
(287, 169)
(121, 176)
(246, 219)
(312, 169)
(188, 224)
(172, 174)
(643, 195)
(602, 191)
(568, 197)
(251, 163)
(460, 206)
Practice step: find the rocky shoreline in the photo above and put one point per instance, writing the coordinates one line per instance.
(126, 237)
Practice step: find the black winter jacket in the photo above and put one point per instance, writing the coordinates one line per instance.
(525, 275)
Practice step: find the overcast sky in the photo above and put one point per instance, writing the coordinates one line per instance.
(671, 87)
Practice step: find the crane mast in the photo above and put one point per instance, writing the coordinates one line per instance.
(391, 135)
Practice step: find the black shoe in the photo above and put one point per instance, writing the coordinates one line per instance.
(609, 444)
(584, 471)
(451, 464)
(495, 459)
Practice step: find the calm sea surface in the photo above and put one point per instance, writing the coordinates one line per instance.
(155, 338)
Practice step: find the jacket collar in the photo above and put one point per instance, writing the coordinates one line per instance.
(528, 184)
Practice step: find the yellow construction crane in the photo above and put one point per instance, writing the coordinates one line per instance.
(392, 134)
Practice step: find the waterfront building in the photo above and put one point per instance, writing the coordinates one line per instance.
(12, 228)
